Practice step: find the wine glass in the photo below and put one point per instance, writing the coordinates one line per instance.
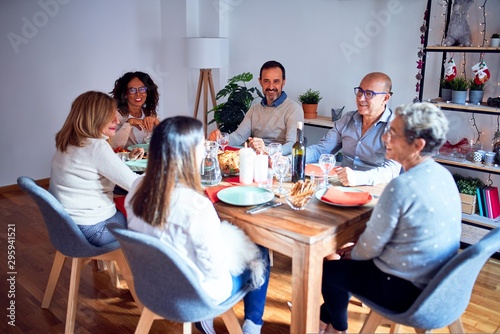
(147, 136)
(326, 163)
(223, 140)
(274, 150)
(280, 168)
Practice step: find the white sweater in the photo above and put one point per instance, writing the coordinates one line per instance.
(193, 231)
(83, 179)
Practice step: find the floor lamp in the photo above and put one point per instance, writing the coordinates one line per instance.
(206, 53)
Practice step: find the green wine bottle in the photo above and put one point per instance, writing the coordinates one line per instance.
(299, 155)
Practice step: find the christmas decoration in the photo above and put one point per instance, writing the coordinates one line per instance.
(458, 30)
(420, 55)
(481, 73)
(450, 69)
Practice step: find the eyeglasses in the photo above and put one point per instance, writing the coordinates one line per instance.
(390, 133)
(369, 94)
(133, 90)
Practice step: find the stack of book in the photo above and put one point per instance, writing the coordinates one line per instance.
(488, 201)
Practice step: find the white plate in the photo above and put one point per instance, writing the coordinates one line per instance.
(245, 195)
(321, 192)
(144, 146)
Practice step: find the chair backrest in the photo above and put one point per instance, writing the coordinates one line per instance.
(63, 232)
(448, 294)
(163, 281)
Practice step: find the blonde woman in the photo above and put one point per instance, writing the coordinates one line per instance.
(85, 169)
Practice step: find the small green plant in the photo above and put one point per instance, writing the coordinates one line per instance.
(473, 85)
(495, 35)
(443, 83)
(310, 97)
(459, 84)
(467, 185)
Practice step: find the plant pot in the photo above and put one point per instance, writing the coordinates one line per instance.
(468, 203)
(458, 96)
(310, 110)
(446, 94)
(476, 96)
(495, 42)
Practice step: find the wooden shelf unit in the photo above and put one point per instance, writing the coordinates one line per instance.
(473, 226)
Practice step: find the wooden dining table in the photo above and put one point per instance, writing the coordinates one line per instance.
(306, 236)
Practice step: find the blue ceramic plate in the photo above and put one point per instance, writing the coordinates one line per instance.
(144, 146)
(137, 165)
(245, 195)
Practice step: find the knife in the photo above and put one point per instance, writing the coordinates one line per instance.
(263, 207)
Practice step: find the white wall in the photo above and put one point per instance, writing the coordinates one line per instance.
(63, 48)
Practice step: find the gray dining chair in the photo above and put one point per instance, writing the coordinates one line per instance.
(167, 286)
(70, 242)
(445, 298)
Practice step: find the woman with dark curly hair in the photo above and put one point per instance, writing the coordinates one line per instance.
(137, 97)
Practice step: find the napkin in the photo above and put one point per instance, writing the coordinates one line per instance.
(212, 192)
(337, 196)
(120, 204)
(236, 181)
(310, 168)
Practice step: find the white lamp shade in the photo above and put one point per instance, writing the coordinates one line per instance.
(207, 52)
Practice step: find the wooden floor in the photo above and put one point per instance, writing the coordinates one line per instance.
(105, 309)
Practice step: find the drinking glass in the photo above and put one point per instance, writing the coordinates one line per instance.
(223, 140)
(147, 136)
(274, 150)
(280, 168)
(326, 163)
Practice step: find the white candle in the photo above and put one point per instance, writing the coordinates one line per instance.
(247, 156)
(260, 168)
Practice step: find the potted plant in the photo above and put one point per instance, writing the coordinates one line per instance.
(495, 40)
(467, 188)
(310, 100)
(445, 86)
(459, 87)
(476, 92)
(229, 114)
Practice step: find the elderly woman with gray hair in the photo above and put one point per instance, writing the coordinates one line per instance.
(414, 228)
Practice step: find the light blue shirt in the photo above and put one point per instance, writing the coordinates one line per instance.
(364, 154)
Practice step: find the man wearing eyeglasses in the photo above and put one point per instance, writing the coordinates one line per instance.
(359, 135)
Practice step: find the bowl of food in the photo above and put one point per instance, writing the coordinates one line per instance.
(301, 193)
(229, 162)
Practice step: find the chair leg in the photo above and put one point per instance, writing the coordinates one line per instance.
(187, 328)
(456, 326)
(231, 322)
(372, 322)
(113, 274)
(53, 278)
(145, 321)
(74, 285)
(395, 328)
(127, 275)
(271, 258)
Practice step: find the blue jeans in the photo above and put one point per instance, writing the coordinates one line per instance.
(98, 234)
(255, 300)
